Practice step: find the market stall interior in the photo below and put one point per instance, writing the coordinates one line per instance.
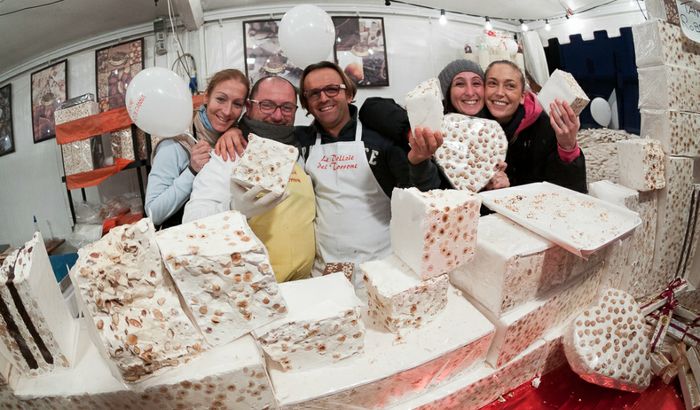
(478, 294)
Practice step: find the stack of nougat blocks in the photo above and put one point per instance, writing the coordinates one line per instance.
(669, 83)
(432, 233)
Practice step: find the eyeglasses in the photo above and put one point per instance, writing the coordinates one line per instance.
(329, 90)
(269, 107)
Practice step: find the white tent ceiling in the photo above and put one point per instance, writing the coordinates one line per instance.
(31, 28)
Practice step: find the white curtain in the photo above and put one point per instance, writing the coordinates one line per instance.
(535, 60)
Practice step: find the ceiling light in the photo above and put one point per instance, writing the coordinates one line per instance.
(547, 26)
(523, 26)
(488, 26)
(443, 18)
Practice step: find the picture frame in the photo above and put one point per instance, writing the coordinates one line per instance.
(7, 140)
(360, 50)
(263, 55)
(115, 66)
(48, 91)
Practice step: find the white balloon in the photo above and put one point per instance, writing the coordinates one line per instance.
(306, 35)
(600, 110)
(159, 102)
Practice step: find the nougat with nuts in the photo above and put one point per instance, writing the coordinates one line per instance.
(137, 320)
(224, 275)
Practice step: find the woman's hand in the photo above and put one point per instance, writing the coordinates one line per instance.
(565, 124)
(230, 144)
(424, 142)
(499, 179)
(200, 155)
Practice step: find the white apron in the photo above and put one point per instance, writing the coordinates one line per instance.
(352, 210)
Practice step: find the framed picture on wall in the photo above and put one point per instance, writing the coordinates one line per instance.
(7, 141)
(115, 66)
(263, 56)
(49, 90)
(360, 50)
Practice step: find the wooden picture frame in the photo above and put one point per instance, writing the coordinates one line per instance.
(360, 50)
(115, 66)
(48, 91)
(7, 139)
(263, 55)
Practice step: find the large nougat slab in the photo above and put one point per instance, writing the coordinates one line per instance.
(658, 43)
(323, 325)
(481, 385)
(266, 163)
(672, 219)
(606, 344)
(642, 164)
(664, 10)
(433, 232)
(424, 105)
(37, 332)
(512, 266)
(644, 280)
(669, 87)
(392, 370)
(471, 149)
(601, 152)
(134, 314)
(224, 275)
(676, 130)
(522, 326)
(563, 86)
(398, 299)
(77, 157)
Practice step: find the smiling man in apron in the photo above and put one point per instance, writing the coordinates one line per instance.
(354, 170)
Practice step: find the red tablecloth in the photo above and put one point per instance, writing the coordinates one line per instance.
(563, 389)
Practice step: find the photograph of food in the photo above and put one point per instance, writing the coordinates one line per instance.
(116, 65)
(49, 90)
(360, 50)
(263, 55)
(7, 142)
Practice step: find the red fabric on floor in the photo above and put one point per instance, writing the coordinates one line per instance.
(563, 389)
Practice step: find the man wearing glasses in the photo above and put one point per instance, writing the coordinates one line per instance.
(354, 170)
(284, 223)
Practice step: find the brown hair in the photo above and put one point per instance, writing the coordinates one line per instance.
(225, 75)
(350, 87)
(513, 66)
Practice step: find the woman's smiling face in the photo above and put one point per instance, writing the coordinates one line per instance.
(504, 91)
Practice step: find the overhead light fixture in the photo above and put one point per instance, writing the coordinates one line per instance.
(443, 17)
(523, 26)
(547, 26)
(488, 26)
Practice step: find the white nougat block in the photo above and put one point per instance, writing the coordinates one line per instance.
(471, 150)
(323, 324)
(393, 370)
(676, 130)
(265, 163)
(133, 311)
(563, 86)
(600, 149)
(658, 43)
(483, 384)
(224, 275)
(664, 10)
(522, 326)
(606, 344)
(644, 280)
(642, 164)
(37, 332)
(77, 157)
(424, 105)
(554, 356)
(75, 112)
(398, 299)
(512, 266)
(433, 232)
(669, 87)
(672, 218)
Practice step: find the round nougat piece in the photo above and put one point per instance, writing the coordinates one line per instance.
(471, 149)
(606, 344)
